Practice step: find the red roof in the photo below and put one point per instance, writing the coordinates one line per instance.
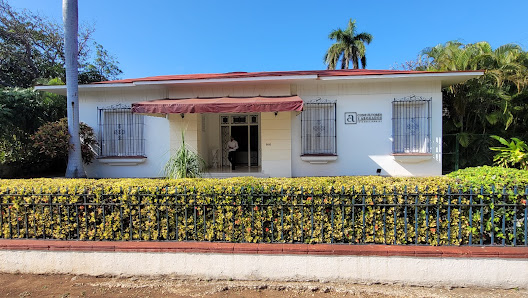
(231, 75)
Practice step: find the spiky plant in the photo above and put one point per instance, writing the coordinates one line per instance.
(185, 163)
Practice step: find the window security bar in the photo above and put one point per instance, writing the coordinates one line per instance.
(318, 126)
(411, 125)
(121, 133)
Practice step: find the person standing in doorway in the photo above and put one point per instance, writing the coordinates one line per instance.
(233, 146)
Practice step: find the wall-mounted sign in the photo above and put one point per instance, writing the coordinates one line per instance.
(351, 118)
(369, 117)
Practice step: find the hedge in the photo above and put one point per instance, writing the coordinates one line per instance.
(367, 209)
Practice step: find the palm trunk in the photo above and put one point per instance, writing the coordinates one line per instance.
(75, 167)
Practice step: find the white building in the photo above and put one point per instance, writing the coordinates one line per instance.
(287, 124)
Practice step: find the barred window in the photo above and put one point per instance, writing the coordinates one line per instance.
(411, 125)
(318, 126)
(120, 132)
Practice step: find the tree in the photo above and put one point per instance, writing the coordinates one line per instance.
(75, 167)
(495, 103)
(103, 68)
(349, 47)
(32, 48)
(22, 112)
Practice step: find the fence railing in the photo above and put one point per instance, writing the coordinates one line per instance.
(352, 216)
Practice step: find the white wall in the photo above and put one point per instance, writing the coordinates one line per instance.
(275, 158)
(458, 272)
(156, 132)
(364, 147)
(361, 148)
(276, 144)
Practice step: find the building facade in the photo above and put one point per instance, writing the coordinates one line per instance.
(287, 124)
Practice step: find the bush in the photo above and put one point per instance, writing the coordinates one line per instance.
(22, 112)
(246, 209)
(52, 140)
(487, 176)
(513, 154)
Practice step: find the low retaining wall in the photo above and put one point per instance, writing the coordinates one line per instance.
(504, 267)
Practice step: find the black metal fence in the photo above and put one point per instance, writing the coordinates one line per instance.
(352, 216)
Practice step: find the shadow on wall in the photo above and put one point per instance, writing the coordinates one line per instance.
(407, 166)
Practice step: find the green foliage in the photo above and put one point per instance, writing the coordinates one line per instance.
(491, 176)
(52, 140)
(493, 104)
(32, 48)
(513, 154)
(22, 112)
(246, 209)
(185, 163)
(349, 47)
(103, 68)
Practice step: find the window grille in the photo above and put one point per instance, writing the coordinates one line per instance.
(120, 132)
(318, 126)
(411, 125)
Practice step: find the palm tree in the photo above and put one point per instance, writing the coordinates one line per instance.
(349, 46)
(75, 167)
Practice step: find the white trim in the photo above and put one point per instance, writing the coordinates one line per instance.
(82, 87)
(122, 161)
(250, 79)
(412, 158)
(410, 75)
(445, 75)
(319, 159)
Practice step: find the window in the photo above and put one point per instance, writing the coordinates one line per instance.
(411, 125)
(120, 132)
(318, 122)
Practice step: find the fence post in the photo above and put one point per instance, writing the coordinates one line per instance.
(449, 195)
(457, 152)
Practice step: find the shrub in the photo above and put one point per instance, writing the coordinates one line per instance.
(22, 112)
(246, 209)
(491, 176)
(52, 140)
(512, 154)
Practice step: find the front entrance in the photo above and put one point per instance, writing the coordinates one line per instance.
(244, 128)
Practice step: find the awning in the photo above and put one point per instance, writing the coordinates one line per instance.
(219, 105)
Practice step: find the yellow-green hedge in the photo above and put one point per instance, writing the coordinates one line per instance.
(310, 210)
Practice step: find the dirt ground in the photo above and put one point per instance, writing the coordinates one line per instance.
(28, 285)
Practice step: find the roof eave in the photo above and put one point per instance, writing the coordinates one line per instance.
(228, 80)
(447, 78)
(61, 89)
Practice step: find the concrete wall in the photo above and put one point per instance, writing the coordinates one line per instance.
(364, 147)
(503, 273)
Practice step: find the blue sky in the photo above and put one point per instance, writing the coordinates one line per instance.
(162, 37)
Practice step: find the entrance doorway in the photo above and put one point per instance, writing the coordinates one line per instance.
(244, 128)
